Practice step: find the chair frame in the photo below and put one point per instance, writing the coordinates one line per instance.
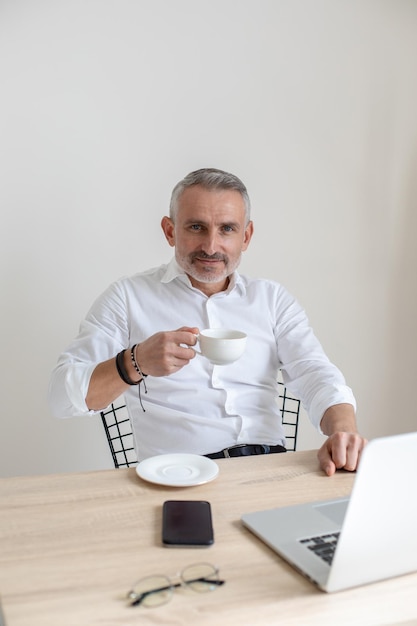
(120, 438)
(119, 435)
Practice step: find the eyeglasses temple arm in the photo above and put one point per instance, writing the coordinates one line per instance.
(206, 580)
(138, 599)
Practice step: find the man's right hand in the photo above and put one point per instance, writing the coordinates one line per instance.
(167, 352)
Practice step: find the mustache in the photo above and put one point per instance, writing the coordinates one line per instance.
(209, 257)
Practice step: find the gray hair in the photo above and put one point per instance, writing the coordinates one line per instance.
(209, 178)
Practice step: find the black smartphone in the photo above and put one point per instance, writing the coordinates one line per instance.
(187, 524)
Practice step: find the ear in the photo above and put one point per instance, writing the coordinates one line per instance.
(168, 227)
(247, 236)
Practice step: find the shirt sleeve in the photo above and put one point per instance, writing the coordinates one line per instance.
(102, 335)
(306, 369)
(68, 389)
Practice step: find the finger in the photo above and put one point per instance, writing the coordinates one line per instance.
(189, 329)
(182, 355)
(325, 460)
(329, 468)
(352, 458)
(188, 336)
(354, 450)
(336, 454)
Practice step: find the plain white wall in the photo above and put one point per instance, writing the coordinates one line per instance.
(106, 104)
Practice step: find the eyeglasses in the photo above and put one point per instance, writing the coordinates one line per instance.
(157, 590)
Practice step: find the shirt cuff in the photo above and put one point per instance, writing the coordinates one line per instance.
(77, 380)
(339, 394)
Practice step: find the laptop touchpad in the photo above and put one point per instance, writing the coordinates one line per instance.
(334, 510)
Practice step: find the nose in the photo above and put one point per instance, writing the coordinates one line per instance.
(210, 242)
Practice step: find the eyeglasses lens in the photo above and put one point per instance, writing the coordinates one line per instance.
(152, 591)
(201, 577)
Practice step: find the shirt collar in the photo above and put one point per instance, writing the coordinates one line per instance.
(173, 271)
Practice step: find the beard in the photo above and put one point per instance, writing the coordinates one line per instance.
(224, 268)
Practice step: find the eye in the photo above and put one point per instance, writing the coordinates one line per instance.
(227, 228)
(195, 227)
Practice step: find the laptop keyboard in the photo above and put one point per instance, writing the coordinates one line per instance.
(324, 545)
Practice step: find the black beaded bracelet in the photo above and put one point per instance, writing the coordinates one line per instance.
(122, 370)
(139, 371)
(134, 361)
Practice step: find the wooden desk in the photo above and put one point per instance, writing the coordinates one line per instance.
(72, 544)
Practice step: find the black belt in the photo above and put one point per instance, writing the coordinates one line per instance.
(246, 450)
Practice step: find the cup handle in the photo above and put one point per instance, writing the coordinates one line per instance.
(194, 346)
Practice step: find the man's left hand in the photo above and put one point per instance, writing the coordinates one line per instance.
(344, 445)
(342, 450)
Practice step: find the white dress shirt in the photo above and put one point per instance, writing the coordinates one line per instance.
(202, 408)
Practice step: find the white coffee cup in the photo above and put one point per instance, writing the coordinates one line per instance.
(221, 346)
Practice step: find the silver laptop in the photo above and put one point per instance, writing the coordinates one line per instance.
(370, 536)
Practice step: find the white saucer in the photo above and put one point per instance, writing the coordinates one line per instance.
(177, 470)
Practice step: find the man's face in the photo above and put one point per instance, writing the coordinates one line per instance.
(209, 235)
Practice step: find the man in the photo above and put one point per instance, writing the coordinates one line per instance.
(177, 400)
